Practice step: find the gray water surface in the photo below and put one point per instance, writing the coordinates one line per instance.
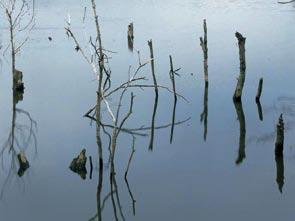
(190, 179)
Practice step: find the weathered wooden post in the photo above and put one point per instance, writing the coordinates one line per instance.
(130, 31)
(279, 145)
(241, 80)
(203, 43)
(130, 36)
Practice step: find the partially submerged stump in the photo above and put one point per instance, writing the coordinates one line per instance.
(18, 84)
(279, 146)
(78, 164)
(130, 36)
(241, 80)
(23, 164)
(130, 31)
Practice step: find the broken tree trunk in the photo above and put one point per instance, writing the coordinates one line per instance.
(279, 146)
(23, 164)
(205, 50)
(259, 90)
(241, 80)
(130, 36)
(130, 31)
(18, 84)
(78, 164)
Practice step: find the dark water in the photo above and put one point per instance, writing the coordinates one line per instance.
(190, 179)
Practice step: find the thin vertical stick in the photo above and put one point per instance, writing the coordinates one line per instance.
(241, 80)
(205, 50)
(172, 78)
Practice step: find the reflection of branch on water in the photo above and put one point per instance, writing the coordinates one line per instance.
(285, 105)
(204, 115)
(150, 44)
(126, 173)
(172, 78)
(20, 138)
(259, 108)
(241, 118)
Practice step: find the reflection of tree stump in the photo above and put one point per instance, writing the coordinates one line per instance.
(279, 146)
(23, 164)
(280, 172)
(242, 121)
(78, 164)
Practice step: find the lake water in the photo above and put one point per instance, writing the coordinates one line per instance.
(217, 178)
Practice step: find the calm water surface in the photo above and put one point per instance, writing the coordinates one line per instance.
(190, 179)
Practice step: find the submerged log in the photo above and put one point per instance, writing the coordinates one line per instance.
(241, 80)
(279, 146)
(78, 164)
(23, 164)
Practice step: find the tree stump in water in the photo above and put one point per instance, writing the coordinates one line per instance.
(78, 164)
(130, 36)
(18, 84)
(241, 80)
(23, 164)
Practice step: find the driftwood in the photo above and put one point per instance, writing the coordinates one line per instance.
(78, 164)
(279, 145)
(241, 80)
(23, 164)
